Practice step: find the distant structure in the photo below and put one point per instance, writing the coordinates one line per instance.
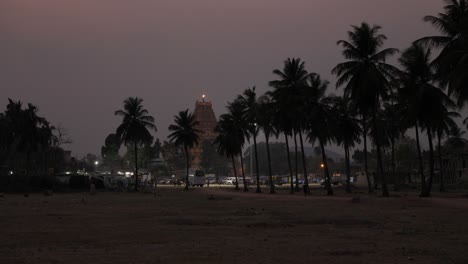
(206, 118)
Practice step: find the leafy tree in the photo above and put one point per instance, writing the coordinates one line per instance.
(174, 156)
(134, 127)
(210, 161)
(184, 134)
(110, 150)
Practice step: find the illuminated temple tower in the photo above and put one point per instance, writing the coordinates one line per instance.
(206, 118)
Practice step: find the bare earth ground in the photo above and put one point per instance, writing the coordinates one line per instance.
(213, 225)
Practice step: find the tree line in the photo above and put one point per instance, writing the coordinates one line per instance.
(380, 102)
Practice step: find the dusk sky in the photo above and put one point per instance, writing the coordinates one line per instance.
(77, 60)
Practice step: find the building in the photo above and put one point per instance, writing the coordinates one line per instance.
(206, 118)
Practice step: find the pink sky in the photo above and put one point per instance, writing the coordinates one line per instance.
(77, 60)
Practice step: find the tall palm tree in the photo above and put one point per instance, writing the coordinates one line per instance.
(185, 134)
(134, 127)
(452, 62)
(250, 103)
(346, 131)
(443, 124)
(287, 95)
(319, 122)
(423, 101)
(241, 127)
(266, 112)
(367, 79)
(282, 123)
(395, 128)
(227, 142)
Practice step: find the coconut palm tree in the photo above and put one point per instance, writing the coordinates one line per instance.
(443, 124)
(266, 113)
(135, 126)
(394, 128)
(185, 134)
(241, 127)
(367, 79)
(227, 141)
(287, 95)
(282, 123)
(346, 130)
(319, 120)
(249, 102)
(423, 101)
(452, 63)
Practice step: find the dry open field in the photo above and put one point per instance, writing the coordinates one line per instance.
(213, 225)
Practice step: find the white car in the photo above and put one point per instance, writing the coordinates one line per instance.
(229, 181)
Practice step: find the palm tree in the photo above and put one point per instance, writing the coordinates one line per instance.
(227, 141)
(423, 101)
(318, 107)
(443, 124)
(287, 95)
(185, 134)
(452, 62)
(394, 128)
(241, 127)
(367, 79)
(346, 130)
(266, 112)
(282, 122)
(134, 127)
(250, 103)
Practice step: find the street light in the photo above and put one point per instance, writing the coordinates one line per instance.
(96, 163)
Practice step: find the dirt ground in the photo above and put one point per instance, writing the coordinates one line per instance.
(214, 225)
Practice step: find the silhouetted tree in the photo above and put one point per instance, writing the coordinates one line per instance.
(134, 127)
(367, 79)
(184, 134)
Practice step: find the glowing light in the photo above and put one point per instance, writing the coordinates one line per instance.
(321, 165)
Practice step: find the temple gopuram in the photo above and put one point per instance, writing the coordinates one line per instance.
(206, 118)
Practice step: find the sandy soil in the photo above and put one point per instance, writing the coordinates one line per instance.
(213, 225)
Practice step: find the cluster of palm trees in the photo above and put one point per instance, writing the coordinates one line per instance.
(380, 101)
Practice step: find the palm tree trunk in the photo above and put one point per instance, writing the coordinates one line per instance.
(306, 180)
(348, 170)
(291, 191)
(421, 170)
(136, 166)
(364, 131)
(379, 157)
(243, 172)
(272, 184)
(431, 162)
(295, 157)
(259, 190)
(397, 181)
(327, 173)
(441, 164)
(188, 166)
(235, 172)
